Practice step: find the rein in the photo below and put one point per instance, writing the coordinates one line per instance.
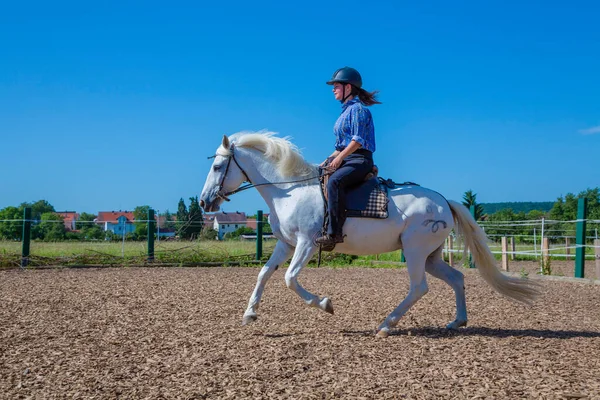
(250, 185)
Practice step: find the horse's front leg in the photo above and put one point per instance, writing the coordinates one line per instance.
(305, 249)
(282, 252)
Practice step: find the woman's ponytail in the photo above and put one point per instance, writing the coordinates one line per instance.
(367, 98)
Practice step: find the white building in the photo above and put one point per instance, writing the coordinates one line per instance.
(226, 222)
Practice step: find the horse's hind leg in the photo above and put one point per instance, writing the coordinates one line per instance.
(415, 262)
(281, 253)
(437, 267)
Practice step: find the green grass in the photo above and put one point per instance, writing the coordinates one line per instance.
(115, 253)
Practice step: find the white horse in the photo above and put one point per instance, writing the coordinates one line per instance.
(419, 221)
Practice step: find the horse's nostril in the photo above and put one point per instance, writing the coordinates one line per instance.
(202, 203)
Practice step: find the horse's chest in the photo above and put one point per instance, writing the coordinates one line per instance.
(286, 232)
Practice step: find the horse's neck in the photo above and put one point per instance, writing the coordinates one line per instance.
(262, 171)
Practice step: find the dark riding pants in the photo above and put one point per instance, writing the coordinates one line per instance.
(353, 171)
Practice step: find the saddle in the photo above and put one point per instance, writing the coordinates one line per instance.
(368, 199)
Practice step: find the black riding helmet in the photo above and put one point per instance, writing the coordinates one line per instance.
(346, 75)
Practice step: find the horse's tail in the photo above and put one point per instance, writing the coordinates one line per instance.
(519, 289)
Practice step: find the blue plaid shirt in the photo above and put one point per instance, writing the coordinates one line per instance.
(354, 123)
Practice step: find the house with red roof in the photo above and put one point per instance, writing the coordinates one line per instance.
(69, 218)
(118, 222)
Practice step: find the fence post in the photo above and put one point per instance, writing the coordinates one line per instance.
(151, 230)
(597, 252)
(26, 240)
(545, 255)
(450, 253)
(567, 249)
(512, 248)
(580, 238)
(402, 259)
(259, 234)
(504, 254)
(445, 249)
(472, 209)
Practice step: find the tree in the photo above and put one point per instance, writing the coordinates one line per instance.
(593, 204)
(140, 215)
(11, 224)
(208, 234)
(92, 232)
(168, 218)
(535, 214)
(38, 208)
(11, 219)
(565, 209)
(51, 227)
(182, 219)
(470, 199)
(196, 219)
(85, 220)
(189, 223)
(87, 228)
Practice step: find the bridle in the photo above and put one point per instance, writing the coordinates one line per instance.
(249, 185)
(224, 196)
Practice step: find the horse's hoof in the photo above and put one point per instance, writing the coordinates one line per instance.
(456, 324)
(327, 306)
(248, 319)
(383, 333)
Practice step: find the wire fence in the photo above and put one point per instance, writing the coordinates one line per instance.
(528, 237)
(129, 241)
(119, 242)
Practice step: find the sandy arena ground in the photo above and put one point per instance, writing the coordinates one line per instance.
(174, 333)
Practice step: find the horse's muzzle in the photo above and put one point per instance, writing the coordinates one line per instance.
(210, 204)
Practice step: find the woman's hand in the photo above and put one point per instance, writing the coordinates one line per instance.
(325, 164)
(336, 163)
(340, 155)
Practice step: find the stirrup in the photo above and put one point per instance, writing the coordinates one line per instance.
(328, 242)
(329, 239)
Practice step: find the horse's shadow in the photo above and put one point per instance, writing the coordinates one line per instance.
(277, 335)
(439, 333)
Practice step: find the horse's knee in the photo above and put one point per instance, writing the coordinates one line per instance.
(290, 281)
(266, 272)
(419, 290)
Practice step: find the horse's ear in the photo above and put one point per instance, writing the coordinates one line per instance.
(225, 142)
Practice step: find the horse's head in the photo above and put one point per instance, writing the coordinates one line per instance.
(224, 176)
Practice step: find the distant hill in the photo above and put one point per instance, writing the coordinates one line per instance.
(518, 206)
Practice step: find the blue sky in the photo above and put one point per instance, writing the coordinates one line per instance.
(114, 105)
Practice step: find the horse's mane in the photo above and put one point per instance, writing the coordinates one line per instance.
(283, 153)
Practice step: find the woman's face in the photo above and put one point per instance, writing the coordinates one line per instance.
(338, 90)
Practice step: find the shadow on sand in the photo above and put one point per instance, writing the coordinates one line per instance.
(435, 333)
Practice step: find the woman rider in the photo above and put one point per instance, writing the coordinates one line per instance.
(352, 159)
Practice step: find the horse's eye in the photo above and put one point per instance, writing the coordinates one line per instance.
(216, 168)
